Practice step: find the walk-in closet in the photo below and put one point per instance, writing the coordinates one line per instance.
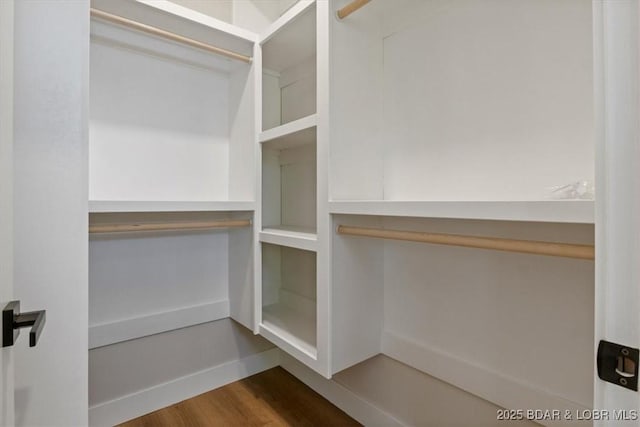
(399, 212)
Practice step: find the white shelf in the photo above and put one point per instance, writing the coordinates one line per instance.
(565, 211)
(289, 329)
(183, 21)
(107, 206)
(293, 237)
(291, 39)
(292, 134)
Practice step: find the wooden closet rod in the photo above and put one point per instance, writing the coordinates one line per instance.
(167, 35)
(524, 246)
(351, 7)
(167, 226)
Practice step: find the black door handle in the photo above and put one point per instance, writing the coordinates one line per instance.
(13, 320)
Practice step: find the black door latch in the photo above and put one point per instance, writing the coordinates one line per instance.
(618, 364)
(13, 320)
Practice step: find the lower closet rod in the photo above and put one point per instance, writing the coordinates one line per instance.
(167, 226)
(568, 250)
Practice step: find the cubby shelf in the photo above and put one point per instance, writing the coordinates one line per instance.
(107, 206)
(286, 326)
(563, 211)
(292, 37)
(293, 237)
(292, 134)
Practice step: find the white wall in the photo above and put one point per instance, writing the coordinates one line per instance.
(132, 276)
(149, 108)
(50, 160)
(189, 111)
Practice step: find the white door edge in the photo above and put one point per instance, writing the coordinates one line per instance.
(617, 293)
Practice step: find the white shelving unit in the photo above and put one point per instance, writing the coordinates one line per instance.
(171, 135)
(465, 130)
(458, 118)
(288, 238)
(194, 148)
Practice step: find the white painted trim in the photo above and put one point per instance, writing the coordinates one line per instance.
(497, 388)
(150, 324)
(617, 102)
(7, 405)
(162, 395)
(357, 408)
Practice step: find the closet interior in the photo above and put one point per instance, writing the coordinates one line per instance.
(430, 135)
(171, 196)
(453, 117)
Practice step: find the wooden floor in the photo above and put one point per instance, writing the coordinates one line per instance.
(271, 398)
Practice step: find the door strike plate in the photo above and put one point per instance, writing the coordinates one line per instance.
(618, 364)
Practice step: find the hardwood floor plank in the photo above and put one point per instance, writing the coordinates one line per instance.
(272, 398)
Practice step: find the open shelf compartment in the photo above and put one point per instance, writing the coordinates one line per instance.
(289, 195)
(289, 67)
(289, 298)
(152, 141)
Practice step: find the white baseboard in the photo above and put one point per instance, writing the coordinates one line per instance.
(138, 327)
(499, 389)
(356, 407)
(151, 399)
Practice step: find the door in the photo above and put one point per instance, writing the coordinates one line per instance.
(6, 199)
(46, 170)
(617, 297)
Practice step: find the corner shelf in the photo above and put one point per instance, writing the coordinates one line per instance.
(293, 237)
(563, 211)
(112, 206)
(292, 134)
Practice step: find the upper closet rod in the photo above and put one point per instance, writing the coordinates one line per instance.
(167, 226)
(168, 35)
(523, 246)
(352, 7)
